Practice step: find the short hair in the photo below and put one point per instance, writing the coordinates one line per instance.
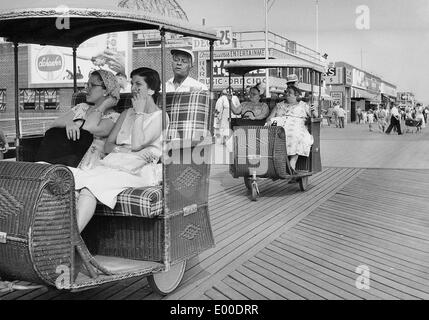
(151, 77)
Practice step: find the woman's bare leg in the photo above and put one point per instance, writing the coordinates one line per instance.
(293, 160)
(85, 208)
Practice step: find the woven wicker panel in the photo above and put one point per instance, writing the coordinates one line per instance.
(256, 141)
(51, 233)
(316, 161)
(186, 185)
(190, 234)
(24, 185)
(125, 237)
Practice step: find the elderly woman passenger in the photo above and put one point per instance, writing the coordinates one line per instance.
(253, 109)
(292, 115)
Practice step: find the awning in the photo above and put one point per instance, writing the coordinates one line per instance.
(363, 94)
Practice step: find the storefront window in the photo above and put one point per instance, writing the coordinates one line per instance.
(39, 99)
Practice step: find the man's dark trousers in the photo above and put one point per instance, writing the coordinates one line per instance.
(394, 123)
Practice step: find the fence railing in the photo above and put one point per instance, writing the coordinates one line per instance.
(27, 126)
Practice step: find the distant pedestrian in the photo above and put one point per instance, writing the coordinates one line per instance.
(341, 113)
(335, 113)
(4, 145)
(370, 119)
(329, 115)
(381, 119)
(359, 115)
(394, 121)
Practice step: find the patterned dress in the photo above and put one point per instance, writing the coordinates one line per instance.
(292, 119)
(96, 150)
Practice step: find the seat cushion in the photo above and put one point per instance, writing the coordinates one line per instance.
(136, 202)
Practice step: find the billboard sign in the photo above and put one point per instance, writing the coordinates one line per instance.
(50, 65)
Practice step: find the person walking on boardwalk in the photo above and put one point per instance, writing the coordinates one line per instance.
(394, 121)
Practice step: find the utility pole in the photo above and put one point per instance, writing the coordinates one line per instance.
(317, 26)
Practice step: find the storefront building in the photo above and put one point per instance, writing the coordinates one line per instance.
(406, 99)
(354, 88)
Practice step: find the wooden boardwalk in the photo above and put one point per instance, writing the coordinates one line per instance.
(294, 245)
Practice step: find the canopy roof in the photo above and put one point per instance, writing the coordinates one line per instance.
(244, 66)
(40, 21)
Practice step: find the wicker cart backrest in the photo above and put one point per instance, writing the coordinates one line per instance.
(189, 113)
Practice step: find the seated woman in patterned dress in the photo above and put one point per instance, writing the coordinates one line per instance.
(292, 115)
(253, 109)
(134, 148)
(85, 127)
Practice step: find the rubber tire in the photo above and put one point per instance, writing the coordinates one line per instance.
(165, 283)
(247, 182)
(254, 193)
(303, 183)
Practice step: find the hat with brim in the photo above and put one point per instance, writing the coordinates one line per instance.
(183, 51)
(291, 78)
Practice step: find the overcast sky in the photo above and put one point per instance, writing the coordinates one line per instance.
(396, 46)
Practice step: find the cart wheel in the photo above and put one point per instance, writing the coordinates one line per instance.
(255, 191)
(248, 182)
(303, 183)
(164, 283)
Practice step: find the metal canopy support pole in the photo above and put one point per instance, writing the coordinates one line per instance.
(320, 95)
(163, 77)
(17, 120)
(211, 84)
(267, 73)
(211, 64)
(74, 70)
(312, 85)
(164, 136)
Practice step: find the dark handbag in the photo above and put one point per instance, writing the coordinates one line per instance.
(56, 148)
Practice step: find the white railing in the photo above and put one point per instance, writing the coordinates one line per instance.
(27, 126)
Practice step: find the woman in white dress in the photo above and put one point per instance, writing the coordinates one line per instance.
(134, 147)
(291, 115)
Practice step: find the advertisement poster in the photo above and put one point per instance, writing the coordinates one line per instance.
(53, 66)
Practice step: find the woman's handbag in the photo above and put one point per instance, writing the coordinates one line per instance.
(56, 148)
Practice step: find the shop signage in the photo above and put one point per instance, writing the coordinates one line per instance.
(334, 75)
(349, 77)
(224, 35)
(337, 96)
(233, 54)
(388, 90)
(358, 79)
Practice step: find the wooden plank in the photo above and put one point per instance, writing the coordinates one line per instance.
(243, 289)
(370, 218)
(342, 267)
(360, 236)
(215, 295)
(368, 247)
(395, 273)
(329, 288)
(408, 246)
(377, 275)
(261, 232)
(248, 229)
(229, 292)
(324, 266)
(258, 274)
